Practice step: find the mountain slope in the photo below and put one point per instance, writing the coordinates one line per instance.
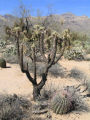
(75, 23)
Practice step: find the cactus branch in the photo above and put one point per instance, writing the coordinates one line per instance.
(34, 64)
(26, 71)
(42, 47)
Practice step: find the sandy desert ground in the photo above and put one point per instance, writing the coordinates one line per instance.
(13, 81)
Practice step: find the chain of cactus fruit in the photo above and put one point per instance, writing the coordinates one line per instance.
(2, 63)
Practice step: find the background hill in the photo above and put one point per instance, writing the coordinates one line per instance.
(75, 23)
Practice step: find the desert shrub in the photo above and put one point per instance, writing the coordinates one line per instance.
(87, 47)
(76, 43)
(2, 63)
(2, 43)
(66, 100)
(13, 107)
(75, 53)
(10, 55)
(11, 51)
(88, 85)
(48, 91)
(87, 57)
(55, 71)
(11, 59)
(77, 74)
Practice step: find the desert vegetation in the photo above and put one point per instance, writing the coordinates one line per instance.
(39, 49)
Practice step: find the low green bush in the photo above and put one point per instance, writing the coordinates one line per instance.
(11, 51)
(75, 53)
(10, 54)
(2, 43)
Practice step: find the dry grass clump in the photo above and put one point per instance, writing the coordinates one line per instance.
(13, 107)
(48, 91)
(55, 71)
(77, 74)
(88, 85)
(82, 77)
(58, 71)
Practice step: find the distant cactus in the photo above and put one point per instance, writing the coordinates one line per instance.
(66, 100)
(2, 63)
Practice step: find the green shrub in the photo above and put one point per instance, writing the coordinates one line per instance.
(2, 63)
(2, 43)
(75, 53)
(11, 51)
(10, 55)
(87, 47)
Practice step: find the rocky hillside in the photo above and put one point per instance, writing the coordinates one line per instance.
(4, 21)
(75, 23)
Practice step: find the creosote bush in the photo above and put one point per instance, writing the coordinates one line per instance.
(48, 91)
(11, 50)
(13, 107)
(56, 71)
(2, 63)
(10, 54)
(74, 53)
(2, 44)
(77, 74)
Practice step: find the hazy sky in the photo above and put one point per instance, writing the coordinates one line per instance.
(78, 7)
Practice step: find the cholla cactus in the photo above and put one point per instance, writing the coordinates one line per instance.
(66, 35)
(38, 42)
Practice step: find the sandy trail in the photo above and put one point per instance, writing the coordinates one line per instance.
(12, 80)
